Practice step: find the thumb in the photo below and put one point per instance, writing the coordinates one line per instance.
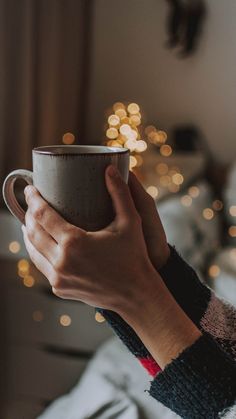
(120, 194)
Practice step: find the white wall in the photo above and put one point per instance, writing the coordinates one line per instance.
(130, 62)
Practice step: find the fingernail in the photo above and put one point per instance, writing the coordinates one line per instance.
(112, 171)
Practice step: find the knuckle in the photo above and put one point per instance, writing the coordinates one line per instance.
(70, 238)
(57, 282)
(31, 234)
(56, 291)
(60, 264)
(39, 212)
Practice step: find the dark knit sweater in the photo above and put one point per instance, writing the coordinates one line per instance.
(201, 382)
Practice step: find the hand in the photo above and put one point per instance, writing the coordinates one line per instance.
(109, 268)
(154, 234)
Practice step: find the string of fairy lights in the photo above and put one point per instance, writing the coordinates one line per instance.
(125, 129)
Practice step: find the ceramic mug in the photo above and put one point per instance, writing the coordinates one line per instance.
(71, 179)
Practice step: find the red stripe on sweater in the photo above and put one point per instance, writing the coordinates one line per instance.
(151, 366)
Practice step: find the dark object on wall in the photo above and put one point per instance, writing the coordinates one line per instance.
(184, 24)
(186, 138)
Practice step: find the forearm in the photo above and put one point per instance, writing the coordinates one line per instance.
(161, 324)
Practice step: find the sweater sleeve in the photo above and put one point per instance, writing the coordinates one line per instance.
(200, 383)
(209, 313)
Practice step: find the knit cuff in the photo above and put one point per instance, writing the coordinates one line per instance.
(131, 340)
(183, 283)
(200, 383)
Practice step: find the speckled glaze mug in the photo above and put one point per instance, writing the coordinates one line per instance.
(72, 180)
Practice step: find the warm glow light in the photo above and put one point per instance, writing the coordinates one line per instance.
(99, 317)
(115, 143)
(135, 120)
(118, 105)
(37, 316)
(149, 129)
(132, 135)
(165, 180)
(177, 179)
(121, 139)
(208, 213)
(68, 138)
(23, 265)
(121, 113)
(112, 133)
(232, 210)
(65, 320)
(153, 191)
(132, 162)
(214, 271)
(124, 120)
(125, 129)
(14, 247)
(157, 138)
(141, 146)
(186, 200)
(166, 150)
(131, 145)
(162, 137)
(173, 188)
(194, 191)
(217, 205)
(162, 168)
(133, 108)
(113, 120)
(28, 281)
(232, 231)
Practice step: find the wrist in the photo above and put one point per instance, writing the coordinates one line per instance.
(159, 321)
(148, 301)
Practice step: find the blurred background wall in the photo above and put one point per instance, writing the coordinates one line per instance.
(130, 61)
(62, 64)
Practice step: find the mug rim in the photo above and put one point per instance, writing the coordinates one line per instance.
(74, 150)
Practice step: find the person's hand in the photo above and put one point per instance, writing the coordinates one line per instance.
(109, 268)
(154, 234)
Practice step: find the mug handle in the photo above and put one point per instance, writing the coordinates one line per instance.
(9, 194)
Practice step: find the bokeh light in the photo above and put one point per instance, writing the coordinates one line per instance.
(162, 168)
(194, 191)
(166, 150)
(214, 271)
(113, 120)
(186, 200)
(14, 247)
(232, 210)
(208, 214)
(65, 320)
(112, 133)
(217, 205)
(68, 138)
(133, 108)
(99, 317)
(232, 231)
(153, 191)
(28, 281)
(177, 179)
